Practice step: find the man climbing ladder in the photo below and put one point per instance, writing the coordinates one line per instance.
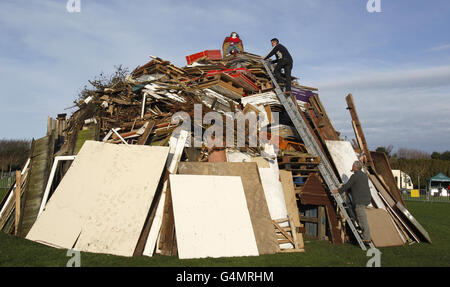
(284, 61)
(324, 167)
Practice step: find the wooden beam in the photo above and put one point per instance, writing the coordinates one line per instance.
(358, 130)
(148, 130)
(280, 229)
(321, 223)
(358, 137)
(309, 219)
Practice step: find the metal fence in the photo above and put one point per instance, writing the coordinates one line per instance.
(5, 183)
(425, 196)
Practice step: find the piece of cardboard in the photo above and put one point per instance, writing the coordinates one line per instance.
(382, 229)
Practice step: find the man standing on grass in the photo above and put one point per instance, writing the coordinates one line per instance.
(358, 186)
(284, 61)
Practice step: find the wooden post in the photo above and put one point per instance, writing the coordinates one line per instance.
(358, 131)
(17, 193)
(49, 125)
(321, 228)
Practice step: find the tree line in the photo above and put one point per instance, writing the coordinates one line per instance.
(419, 165)
(13, 155)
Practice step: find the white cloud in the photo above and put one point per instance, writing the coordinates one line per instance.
(440, 48)
(416, 77)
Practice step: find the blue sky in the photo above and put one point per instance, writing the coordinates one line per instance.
(395, 63)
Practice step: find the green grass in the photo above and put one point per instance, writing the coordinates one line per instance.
(433, 217)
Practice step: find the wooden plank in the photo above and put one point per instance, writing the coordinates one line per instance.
(285, 234)
(359, 134)
(316, 124)
(309, 219)
(138, 251)
(289, 196)
(148, 130)
(358, 138)
(390, 203)
(297, 243)
(336, 226)
(8, 206)
(167, 228)
(321, 223)
(383, 169)
(40, 165)
(217, 155)
(324, 120)
(291, 203)
(175, 153)
(17, 197)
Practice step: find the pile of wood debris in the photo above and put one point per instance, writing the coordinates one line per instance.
(282, 183)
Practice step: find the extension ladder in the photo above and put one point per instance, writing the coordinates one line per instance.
(325, 169)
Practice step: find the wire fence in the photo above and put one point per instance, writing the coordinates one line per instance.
(5, 184)
(425, 196)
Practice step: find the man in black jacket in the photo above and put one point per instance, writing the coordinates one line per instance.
(358, 186)
(283, 61)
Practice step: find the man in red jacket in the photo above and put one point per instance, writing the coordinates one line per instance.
(233, 42)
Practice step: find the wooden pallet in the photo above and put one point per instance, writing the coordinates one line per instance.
(298, 165)
(302, 172)
(287, 235)
(306, 159)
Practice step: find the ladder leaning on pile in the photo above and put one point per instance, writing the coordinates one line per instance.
(325, 169)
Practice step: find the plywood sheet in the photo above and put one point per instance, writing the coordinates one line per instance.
(270, 182)
(289, 196)
(382, 190)
(383, 168)
(343, 157)
(382, 229)
(256, 201)
(103, 200)
(211, 217)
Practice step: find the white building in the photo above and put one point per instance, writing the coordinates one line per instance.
(403, 179)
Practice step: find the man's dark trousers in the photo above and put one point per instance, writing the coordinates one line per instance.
(287, 66)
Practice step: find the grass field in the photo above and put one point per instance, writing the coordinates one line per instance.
(432, 216)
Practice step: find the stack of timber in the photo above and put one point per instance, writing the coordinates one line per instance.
(135, 178)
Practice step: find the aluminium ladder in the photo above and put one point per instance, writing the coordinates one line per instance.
(325, 169)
